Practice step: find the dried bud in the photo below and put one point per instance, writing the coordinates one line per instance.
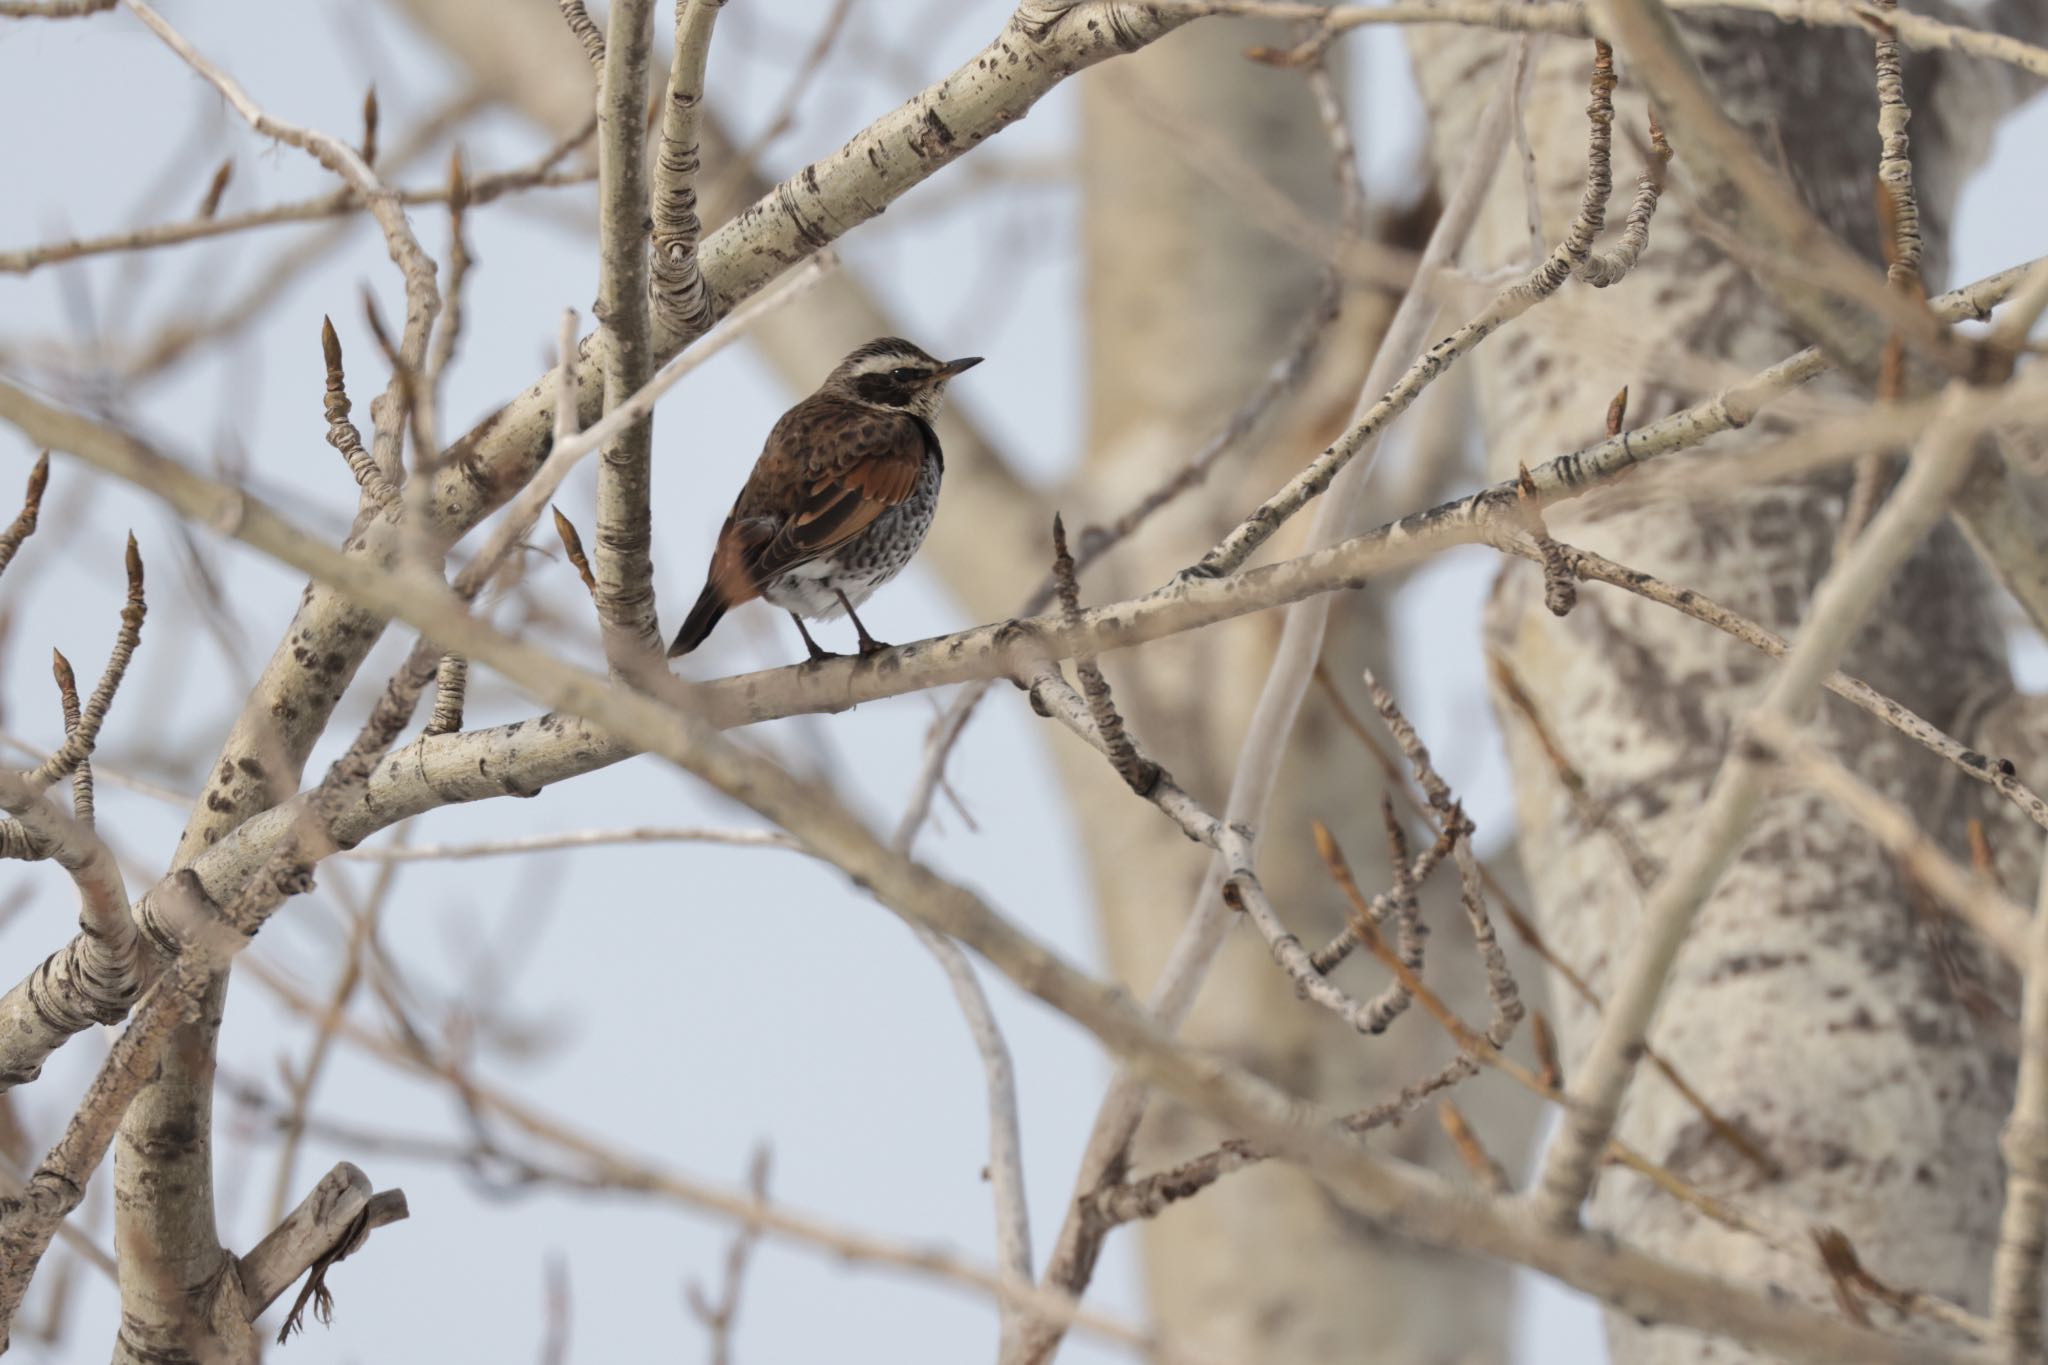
(1617, 412)
(210, 205)
(370, 126)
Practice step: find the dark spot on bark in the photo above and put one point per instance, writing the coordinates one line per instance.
(1832, 1156)
(1742, 964)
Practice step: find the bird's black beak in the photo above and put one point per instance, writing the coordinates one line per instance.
(953, 367)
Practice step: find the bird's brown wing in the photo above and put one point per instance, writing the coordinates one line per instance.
(829, 470)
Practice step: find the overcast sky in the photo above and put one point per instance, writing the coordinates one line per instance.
(759, 996)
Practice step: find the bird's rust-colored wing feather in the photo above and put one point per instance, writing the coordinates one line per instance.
(829, 470)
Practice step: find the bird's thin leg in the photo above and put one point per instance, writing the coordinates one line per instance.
(809, 643)
(868, 643)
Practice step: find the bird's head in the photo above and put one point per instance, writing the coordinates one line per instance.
(891, 373)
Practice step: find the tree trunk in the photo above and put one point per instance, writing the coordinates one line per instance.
(1805, 1005)
(1188, 299)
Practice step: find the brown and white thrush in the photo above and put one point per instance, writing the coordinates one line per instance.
(840, 499)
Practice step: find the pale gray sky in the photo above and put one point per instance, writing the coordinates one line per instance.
(757, 996)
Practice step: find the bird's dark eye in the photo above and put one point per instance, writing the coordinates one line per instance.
(903, 376)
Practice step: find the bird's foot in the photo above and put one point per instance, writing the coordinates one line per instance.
(818, 655)
(870, 646)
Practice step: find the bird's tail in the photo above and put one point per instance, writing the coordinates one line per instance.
(698, 624)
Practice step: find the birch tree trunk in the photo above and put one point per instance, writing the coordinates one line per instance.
(1805, 1006)
(1188, 299)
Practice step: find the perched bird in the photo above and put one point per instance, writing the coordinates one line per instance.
(839, 500)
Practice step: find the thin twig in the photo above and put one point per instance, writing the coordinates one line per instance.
(718, 1318)
(681, 298)
(1138, 772)
(581, 838)
(53, 9)
(449, 329)
(67, 700)
(1235, 548)
(81, 739)
(1571, 17)
(586, 31)
(342, 433)
(24, 524)
(451, 683)
(483, 190)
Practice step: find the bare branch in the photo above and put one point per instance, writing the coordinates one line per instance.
(24, 524)
(625, 573)
(82, 737)
(1824, 286)
(718, 1317)
(1138, 772)
(53, 9)
(586, 31)
(1005, 1135)
(416, 265)
(451, 680)
(542, 174)
(1234, 549)
(1491, 1176)
(680, 296)
(341, 432)
(449, 331)
(93, 979)
(2023, 1230)
(583, 838)
(1572, 17)
(67, 700)
(330, 1223)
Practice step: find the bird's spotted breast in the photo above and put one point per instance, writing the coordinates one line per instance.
(865, 562)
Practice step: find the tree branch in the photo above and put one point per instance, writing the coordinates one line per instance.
(625, 572)
(331, 1222)
(682, 300)
(97, 976)
(2023, 1229)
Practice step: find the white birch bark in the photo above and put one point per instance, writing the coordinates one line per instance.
(1805, 1005)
